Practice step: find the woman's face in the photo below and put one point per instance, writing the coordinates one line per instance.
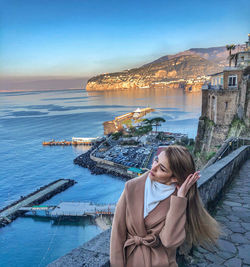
(160, 170)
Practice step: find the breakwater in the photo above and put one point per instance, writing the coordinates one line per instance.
(11, 212)
(96, 168)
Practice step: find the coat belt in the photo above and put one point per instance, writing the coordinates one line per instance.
(150, 240)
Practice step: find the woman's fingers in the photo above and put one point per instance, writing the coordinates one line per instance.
(190, 180)
(193, 179)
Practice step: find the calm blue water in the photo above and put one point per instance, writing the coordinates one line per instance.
(29, 118)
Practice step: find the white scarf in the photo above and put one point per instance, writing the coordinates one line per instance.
(154, 193)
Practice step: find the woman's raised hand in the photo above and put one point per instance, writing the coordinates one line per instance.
(191, 179)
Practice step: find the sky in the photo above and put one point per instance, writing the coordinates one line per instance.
(83, 38)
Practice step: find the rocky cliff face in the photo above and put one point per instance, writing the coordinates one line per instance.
(217, 122)
(179, 71)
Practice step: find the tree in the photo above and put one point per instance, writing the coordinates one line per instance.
(146, 122)
(230, 48)
(157, 122)
(235, 58)
(117, 135)
(143, 130)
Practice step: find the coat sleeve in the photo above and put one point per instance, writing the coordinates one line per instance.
(173, 232)
(118, 233)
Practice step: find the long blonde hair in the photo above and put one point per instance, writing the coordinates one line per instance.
(201, 228)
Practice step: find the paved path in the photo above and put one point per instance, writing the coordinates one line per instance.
(233, 213)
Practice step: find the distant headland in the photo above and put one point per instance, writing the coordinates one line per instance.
(188, 70)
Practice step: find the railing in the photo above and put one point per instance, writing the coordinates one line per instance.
(227, 147)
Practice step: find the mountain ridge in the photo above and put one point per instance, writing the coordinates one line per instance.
(188, 69)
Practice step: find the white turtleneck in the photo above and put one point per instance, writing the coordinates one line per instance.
(155, 192)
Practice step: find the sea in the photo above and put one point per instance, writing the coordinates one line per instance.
(29, 118)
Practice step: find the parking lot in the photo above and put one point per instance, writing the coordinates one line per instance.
(130, 156)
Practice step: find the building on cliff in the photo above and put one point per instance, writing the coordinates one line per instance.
(226, 104)
(116, 125)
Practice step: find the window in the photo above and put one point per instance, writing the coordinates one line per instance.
(226, 106)
(232, 80)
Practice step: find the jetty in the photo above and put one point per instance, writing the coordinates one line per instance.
(12, 211)
(88, 141)
(72, 209)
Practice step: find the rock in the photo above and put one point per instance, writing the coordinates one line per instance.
(247, 235)
(244, 253)
(225, 255)
(226, 246)
(246, 225)
(238, 238)
(232, 204)
(233, 218)
(234, 262)
(214, 258)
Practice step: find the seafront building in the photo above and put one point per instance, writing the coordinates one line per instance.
(116, 125)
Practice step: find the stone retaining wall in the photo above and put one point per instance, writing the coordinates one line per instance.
(213, 179)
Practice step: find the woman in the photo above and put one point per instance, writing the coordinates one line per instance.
(158, 211)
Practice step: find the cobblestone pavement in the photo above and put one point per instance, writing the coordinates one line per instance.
(233, 213)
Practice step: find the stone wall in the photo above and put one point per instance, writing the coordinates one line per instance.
(213, 179)
(204, 108)
(246, 104)
(227, 107)
(112, 127)
(224, 108)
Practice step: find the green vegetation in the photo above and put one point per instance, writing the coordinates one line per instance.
(163, 137)
(237, 127)
(188, 143)
(209, 155)
(129, 143)
(143, 130)
(154, 122)
(128, 123)
(117, 135)
(208, 123)
(230, 48)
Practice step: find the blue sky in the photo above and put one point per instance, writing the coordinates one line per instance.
(84, 38)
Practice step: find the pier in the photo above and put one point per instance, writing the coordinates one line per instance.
(65, 143)
(12, 211)
(87, 141)
(72, 209)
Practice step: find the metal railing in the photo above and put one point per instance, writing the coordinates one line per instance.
(227, 147)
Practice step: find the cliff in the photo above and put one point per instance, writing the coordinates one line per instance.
(179, 71)
(225, 113)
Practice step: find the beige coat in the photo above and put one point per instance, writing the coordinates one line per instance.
(149, 242)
